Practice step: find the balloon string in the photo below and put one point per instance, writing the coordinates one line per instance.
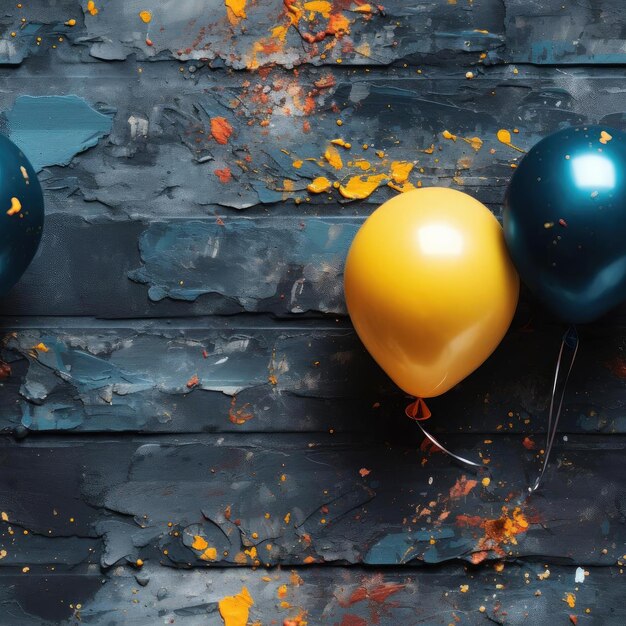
(569, 345)
(419, 412)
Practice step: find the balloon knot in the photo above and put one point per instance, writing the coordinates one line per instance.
(418, 411)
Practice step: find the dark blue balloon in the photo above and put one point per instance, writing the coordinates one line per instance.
(21, 213)
(565, 221)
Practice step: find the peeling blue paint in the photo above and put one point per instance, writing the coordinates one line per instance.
(51, 130)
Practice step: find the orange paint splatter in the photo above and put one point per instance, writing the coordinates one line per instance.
(364, 472)
(360, 187)
(221, 129)
(16, 207)
(570, 600)
(497, 532)
(448, 135)
(605, 137)
(528, 443)
(238, 416)
(193, 382)
(236, 609)
(224, 174)
(319, 185)
(41, 347)
(145, 16)
(282, 591)
(462, 487)
(91, 7)
(475, 142)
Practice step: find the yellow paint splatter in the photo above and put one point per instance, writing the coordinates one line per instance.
(282, 591)
(448, 135)
(570, 600)
(235, 11)
(41, 347)
(199, 543)
(464, 588)
(362, 164)
(16, 207)
(71, 22)
(24, 174)
(91, 7)
(145, 16)
(235, 609)
(342, 143)
(605, 137)
(400, 171)
(504, 136)
(5, 517)
(475, 142)
(319, 6)
(3, 553)
(364, 8)
(297, 163)
(319, 185)
(360, 187)
(486, 481)
(210, 554)
(404, 187)
(333, 157)
(429, 150)
(287, 518)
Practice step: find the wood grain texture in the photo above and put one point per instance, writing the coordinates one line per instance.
(186, 408)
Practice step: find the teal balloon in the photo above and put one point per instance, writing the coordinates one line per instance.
(21, 213)
(565, 221)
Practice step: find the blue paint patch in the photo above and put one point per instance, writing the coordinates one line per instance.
(398, 548)
(51, 130)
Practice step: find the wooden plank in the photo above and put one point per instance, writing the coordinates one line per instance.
(161, 159)
(258, 34)
(302, 498)
(260, 376)
(517, 595)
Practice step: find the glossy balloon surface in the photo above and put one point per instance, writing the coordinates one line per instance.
(21, 213)
(565, 221)
(430, 288)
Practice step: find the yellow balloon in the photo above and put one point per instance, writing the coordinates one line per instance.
(430, 288)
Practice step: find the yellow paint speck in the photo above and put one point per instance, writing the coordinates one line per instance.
(41, 347)
(485, 481)
(145, 16)
(448, 135)
(16, 207)
(5, 517)
(3, 553)
(339, 123)
(26, 569)
(605, 137)
(570, 600)
(71, 22)
(287, 518)
(282, 591)
(504, 136)
(91, 7)
(464, 588)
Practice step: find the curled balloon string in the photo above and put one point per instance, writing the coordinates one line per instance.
(419, 412)
(569, 349)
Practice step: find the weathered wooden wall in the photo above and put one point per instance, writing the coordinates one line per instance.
(185, 408)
